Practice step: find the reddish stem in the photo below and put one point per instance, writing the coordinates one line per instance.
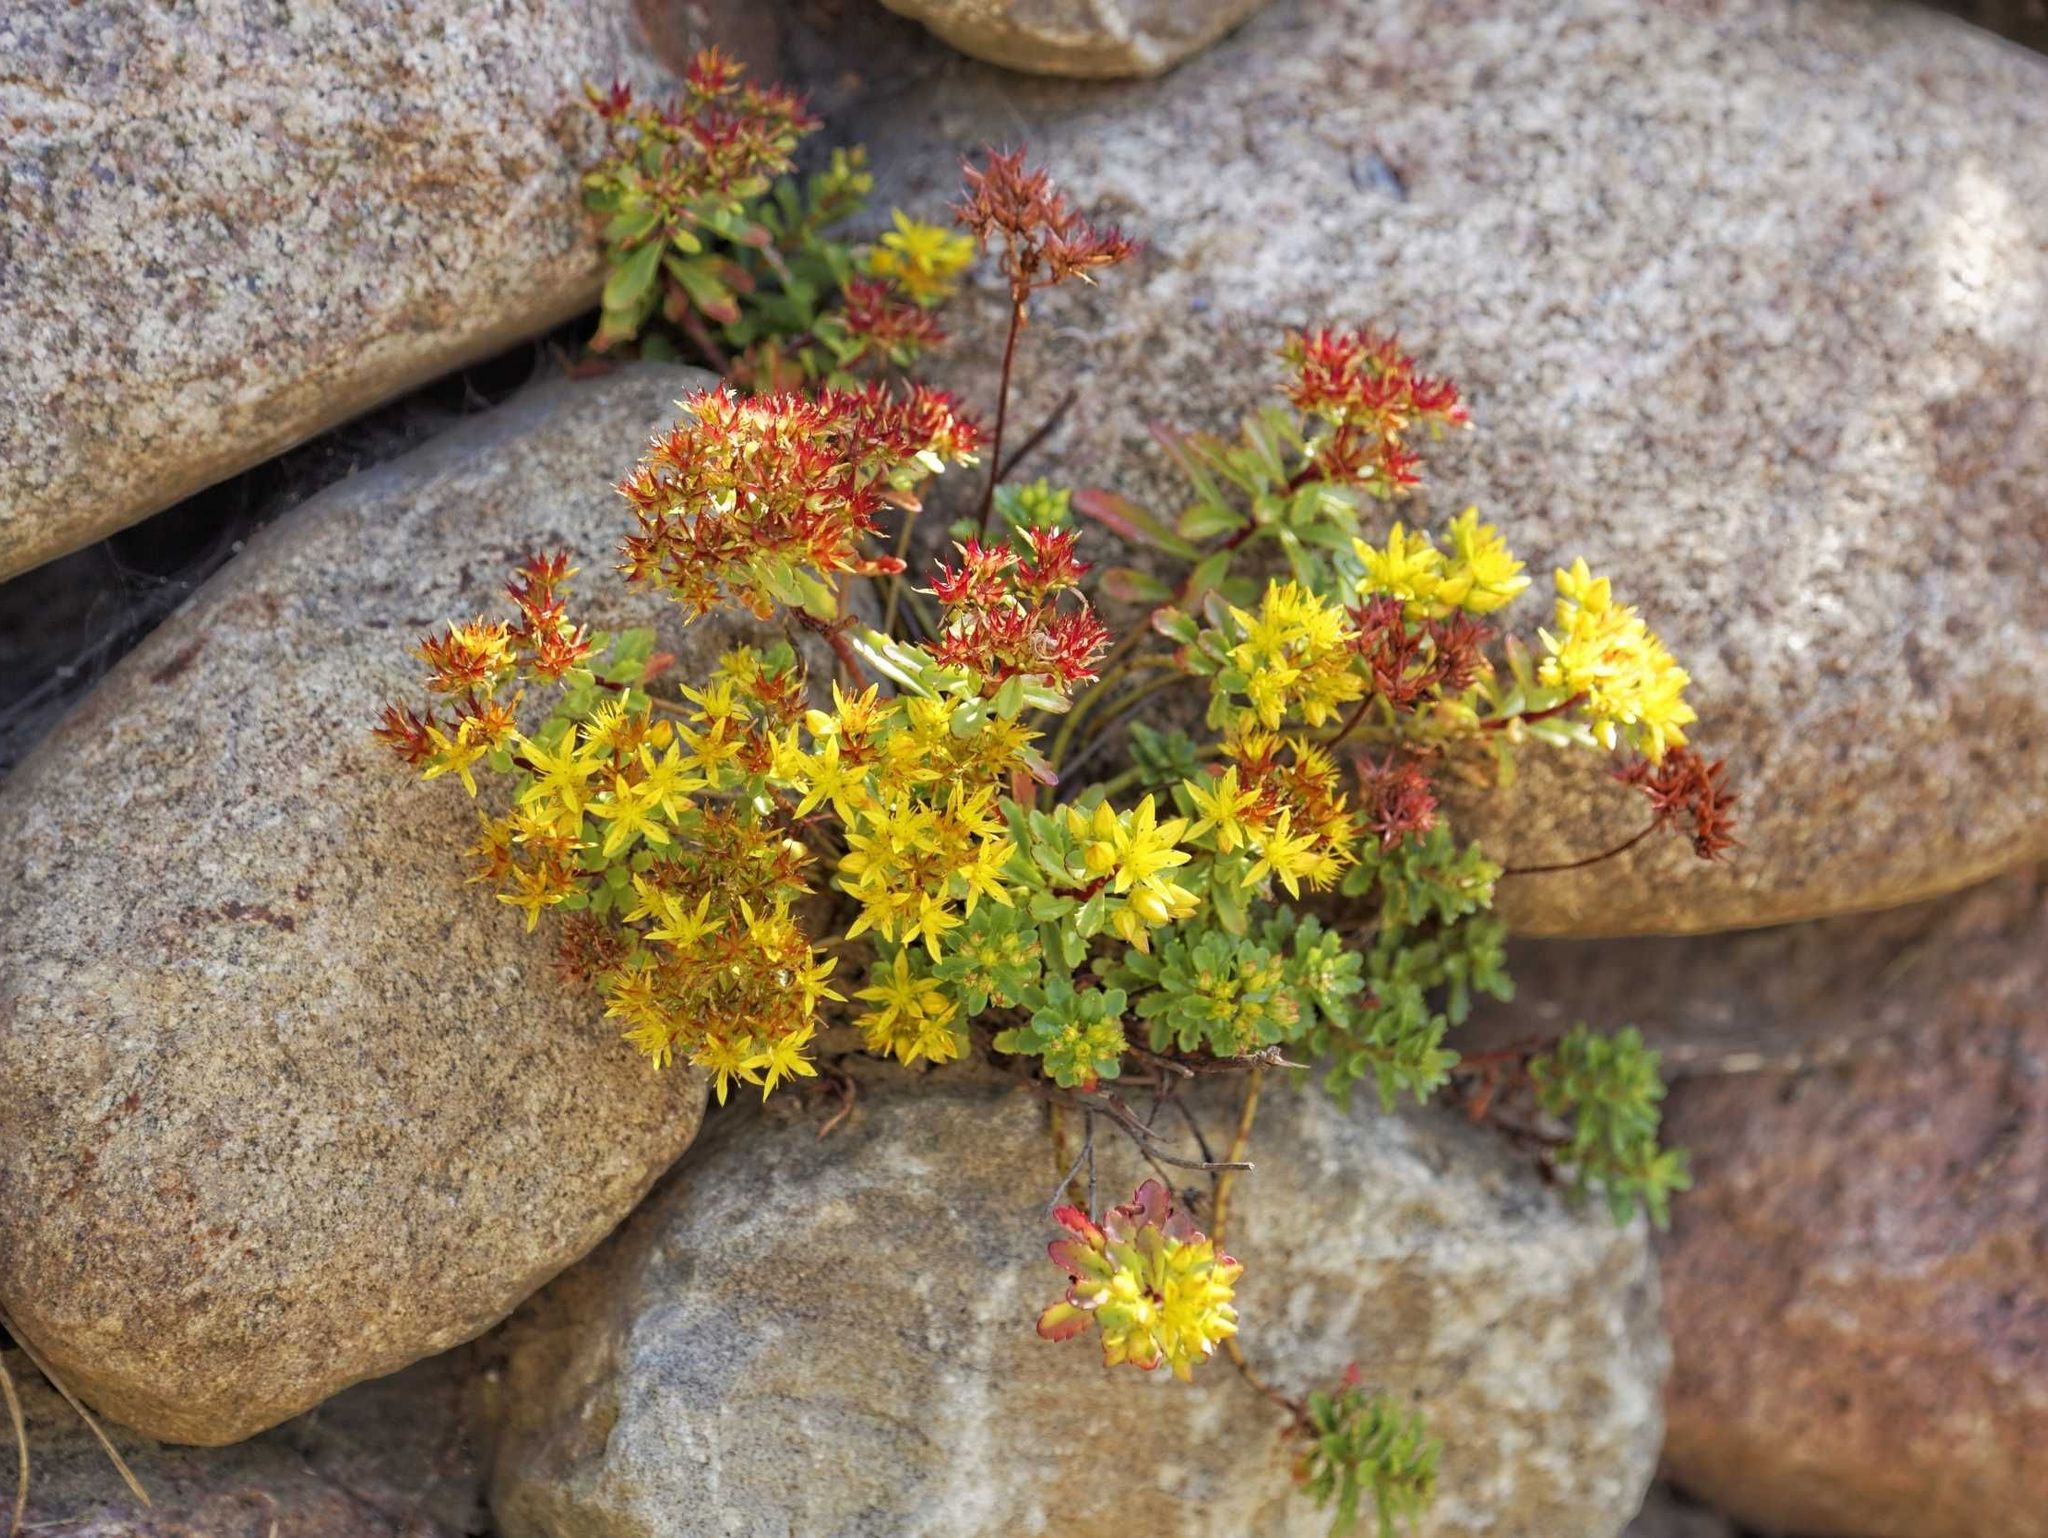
(839, 644)
(1526, 716)
(1592, 859)
(995, 451)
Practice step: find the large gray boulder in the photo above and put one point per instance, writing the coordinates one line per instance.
(289, 1104)
(224, 228)
(835, 1336)
(1750, 301)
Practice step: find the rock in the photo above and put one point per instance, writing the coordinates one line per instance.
(1750, 302)
(397, 1458)
(835, 1335)
(1085, 38)
(1857, 1287)
(1665, 1515)
(290, 1104)
(1794, 995)
(227, 229)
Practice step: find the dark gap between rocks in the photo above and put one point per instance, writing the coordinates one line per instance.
(65, 623)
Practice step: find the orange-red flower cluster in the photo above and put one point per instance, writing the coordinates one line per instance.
(1004, 619)
(768, 498)
(1044, 241)
(1410, 662)
(718, 134)
(1683, 787)
(1373, 397)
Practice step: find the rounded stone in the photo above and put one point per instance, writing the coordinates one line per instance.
(1750, 305)
(834, 1335)
(289, 1104)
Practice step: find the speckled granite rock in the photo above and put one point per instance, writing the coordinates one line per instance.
(1751, 303)
(288, 1104)
(397, 1458)
(835, 1336)
(224, 228)
(1857, 1287)
(1079, 37)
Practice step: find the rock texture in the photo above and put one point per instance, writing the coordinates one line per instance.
(1083, 38)
(834, 1336)
(1857, 1288)
(397, 1458)
(224, 228)
(289, 1105)
(1790, 996)
(1751, 304)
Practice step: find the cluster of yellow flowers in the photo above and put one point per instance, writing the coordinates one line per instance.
(921, 259)
(1602, 651)
(1479, 575)
(1155, 1287)
(1127, 855)
(1281, 798)
(1295, 656)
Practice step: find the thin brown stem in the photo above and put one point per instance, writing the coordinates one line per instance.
(995, 450)
(694, 327)
(1045, 430)
(841, 647)
(20, 1425)
(1524, 717)
(1592, 859)
(1292, 1406)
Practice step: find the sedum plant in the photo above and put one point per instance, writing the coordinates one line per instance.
(969, 841)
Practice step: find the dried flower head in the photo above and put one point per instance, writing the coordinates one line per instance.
(1044, 241)
(1683, 788)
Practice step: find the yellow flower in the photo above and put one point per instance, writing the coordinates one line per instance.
(455, 756)
(725, 1060)
(921, 259)
(781, 1059)
(1483, 575)
(1290, 858)
(535, 888)
(1295, 655)
(1410, 569)
(632, 814)
(913, 1018)
(1130, 848)
(1221, 805)
(1630, 685)
(561, 776)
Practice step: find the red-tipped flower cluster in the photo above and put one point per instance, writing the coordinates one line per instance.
(768, 498)
(1684, 788)
(720, 135)
(1003, 615)
(1044, 241)
(1373, 397)
(887, 325)
(544, 638)
(1413, 662)
(1395, 799)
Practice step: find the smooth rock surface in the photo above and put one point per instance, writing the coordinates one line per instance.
(289, 1104)
(1857, 1287)
(224, 228)
(1750, 301)
(1082, 38)
(835, 1336)
(397, 1458)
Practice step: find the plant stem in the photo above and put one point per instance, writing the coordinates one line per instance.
(1235, 1352)
(995, 450)
(855, 673)
(1526, 716)
(896, 578)
(1592, 859)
